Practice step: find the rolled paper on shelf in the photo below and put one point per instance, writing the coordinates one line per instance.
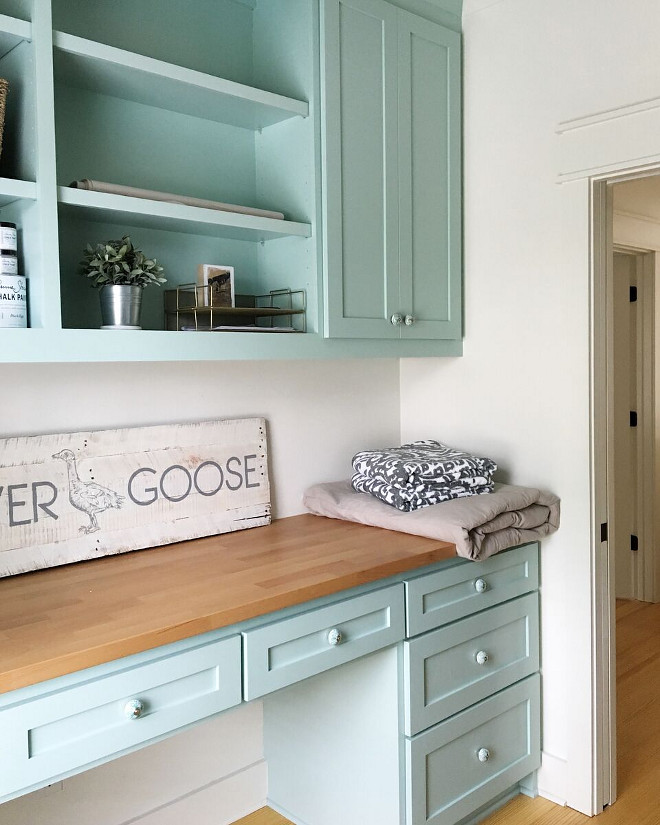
(168, 197)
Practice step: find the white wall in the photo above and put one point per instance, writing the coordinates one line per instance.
(521, 391)
(319, 414)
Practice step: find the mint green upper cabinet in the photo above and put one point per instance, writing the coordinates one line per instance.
(391, 166)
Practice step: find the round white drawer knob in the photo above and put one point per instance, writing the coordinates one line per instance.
(334, 637)
(409, 320)
(481, 657)
(483, 754)
(481, 585)
(134, 709)
(396, 319)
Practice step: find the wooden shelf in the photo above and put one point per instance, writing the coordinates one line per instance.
(100, 206)
(13, 190)
(13, 32)
(129, 76)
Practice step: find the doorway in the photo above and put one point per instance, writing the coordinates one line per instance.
(625, 341)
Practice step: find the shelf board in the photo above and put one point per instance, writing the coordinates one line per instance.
(118, 73)
(14, 190)
(12, 32)
(39, 345)
(100, 206)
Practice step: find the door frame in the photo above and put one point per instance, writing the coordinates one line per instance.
(601, 402)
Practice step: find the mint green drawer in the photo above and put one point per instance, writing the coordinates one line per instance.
(449, 669)
(290, 650)
(462, 764)
(438, 598)
(67, 730)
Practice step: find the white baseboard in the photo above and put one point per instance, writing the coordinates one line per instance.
(551, 778)
(219, 803)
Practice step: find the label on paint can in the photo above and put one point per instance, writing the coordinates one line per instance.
(8, 236)
(8, 263)
(13, 301)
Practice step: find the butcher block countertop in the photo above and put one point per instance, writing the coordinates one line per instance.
(64, 619)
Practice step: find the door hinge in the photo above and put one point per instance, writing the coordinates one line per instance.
(634, 543)
(603, 531)
(633, 294)
(633, 418)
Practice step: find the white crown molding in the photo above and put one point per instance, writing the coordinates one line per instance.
(622, 213)
(607, 114)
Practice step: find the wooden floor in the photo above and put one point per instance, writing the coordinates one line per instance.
(638, 737)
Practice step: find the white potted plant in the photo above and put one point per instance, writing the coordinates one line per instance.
(120, 272)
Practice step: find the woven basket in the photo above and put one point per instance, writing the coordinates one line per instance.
(4, 88)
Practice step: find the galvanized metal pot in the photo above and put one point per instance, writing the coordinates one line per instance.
(120, 306)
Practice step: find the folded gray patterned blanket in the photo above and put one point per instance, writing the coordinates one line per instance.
(421, 473)
(479, 526)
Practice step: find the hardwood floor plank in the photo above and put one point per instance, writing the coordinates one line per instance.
(264, 816)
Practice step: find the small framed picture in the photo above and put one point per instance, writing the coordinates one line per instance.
(216, 285)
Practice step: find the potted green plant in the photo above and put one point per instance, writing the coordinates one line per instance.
(120, 272)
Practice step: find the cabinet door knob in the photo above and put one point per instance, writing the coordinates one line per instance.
(334, 637)
(482, 657)
(134, 708)
(409, 320)
(483, 754)
(396, 319)
(481, 585)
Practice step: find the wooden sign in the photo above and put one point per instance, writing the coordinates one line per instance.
(65, 498)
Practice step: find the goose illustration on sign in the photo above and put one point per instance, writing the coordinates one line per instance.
(88, 496)
(73, 496)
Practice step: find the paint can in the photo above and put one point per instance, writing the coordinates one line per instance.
(8, 237)
(13, 301)
(8, 262)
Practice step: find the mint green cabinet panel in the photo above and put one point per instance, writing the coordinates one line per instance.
(391, 165)
(63, 731)
(360, 186)
(449, 669)
(460, 765)
(284, 652)
(430, 178)
(447, 595)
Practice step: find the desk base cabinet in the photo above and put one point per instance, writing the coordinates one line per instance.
(365, 721)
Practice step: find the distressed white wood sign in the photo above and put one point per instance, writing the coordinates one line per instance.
(66, 498)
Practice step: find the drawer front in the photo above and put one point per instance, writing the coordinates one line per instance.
(463, 763)
(444, 596)
(285, 652)
(449, 669)
(64, 731)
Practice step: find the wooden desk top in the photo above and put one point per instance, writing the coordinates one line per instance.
(64, 619)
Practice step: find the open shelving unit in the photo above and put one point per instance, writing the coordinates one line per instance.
(220, 102)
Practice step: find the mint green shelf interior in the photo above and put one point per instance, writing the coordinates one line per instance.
(13, 190)
(119, 209)
(118, 73)
(12, 32)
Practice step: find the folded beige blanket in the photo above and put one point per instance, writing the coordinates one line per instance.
(479, 526)
(168, 197)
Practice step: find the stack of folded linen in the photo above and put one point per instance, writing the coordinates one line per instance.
(421, 473)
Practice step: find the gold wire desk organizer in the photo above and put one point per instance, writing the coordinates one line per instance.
(189, 307)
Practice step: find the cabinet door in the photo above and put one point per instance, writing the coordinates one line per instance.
(359, 81)
(429, 178)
